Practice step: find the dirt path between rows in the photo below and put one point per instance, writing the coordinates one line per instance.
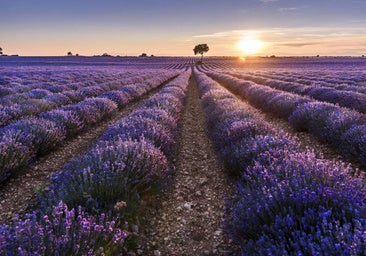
(17, 195)
(189, 219)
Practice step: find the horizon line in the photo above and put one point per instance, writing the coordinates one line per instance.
(185, 56)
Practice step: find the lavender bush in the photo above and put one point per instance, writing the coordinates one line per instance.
(8, 113)
(159, 115)
(299, 195)
(330, 123)
(5, 91)
(110, 172)
(68, 120)
(120, 98)
(165, 102)
(243, 152)
(59, 99)
(38, 93)
(312, 117)
(73, 96)
(62, 232)
(354, 142)
(141, 128)
(40, 135)
(13, 153)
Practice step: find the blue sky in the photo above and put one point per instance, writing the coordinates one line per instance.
(173, 27)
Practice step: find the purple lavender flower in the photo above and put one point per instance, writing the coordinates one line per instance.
(9, 113)
(62, 232)
(120, 98)
(168, 103)
(311, 117)
(58, 98)
(38, 93)
(354, 142)
(91, 91)
(105, 106)
(73, 96)
(5, 91)
(87, 113)
(42, 135)
(136, 128)
(13, 152)
(65, 119)
(110, 172)
(159, 115)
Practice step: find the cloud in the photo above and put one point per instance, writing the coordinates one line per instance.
(357, 21)
(289, 9)
(229, 34)
(325, 40)
(215, 35)
(298, 44)
(290, 32)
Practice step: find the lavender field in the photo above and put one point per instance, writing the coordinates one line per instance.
(160, 156)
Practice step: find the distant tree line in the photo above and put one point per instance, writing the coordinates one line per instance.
(70, 54)
(2, 53)
(108, 55)
(145, 55)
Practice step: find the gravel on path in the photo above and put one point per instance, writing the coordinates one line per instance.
(189, 219)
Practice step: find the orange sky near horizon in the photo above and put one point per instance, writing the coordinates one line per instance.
(120, 27)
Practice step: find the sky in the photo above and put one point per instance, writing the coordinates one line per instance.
(174, 27)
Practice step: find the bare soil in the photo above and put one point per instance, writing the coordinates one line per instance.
(187, 219)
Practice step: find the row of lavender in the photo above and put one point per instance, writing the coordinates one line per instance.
(348, 81)
(288, 202)
(335, 79)
(349, 97)
(16, 82)
(104, 185)
(343, 129)
(22, 141)
(36, 101)
(19, 82)
(62, 81)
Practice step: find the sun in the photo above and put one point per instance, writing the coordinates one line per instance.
(250, 46)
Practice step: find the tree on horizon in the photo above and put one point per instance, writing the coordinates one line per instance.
(201, 49)
(1, 51)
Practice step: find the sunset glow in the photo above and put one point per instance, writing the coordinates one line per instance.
(250, 46)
